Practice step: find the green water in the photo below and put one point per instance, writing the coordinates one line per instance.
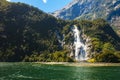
(33, 71)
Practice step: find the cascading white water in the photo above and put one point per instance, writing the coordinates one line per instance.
(80, 47)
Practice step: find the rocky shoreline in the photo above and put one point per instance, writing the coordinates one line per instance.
(79, 64)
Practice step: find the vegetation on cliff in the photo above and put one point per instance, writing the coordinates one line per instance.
(29, 34)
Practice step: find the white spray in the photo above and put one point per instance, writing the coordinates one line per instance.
(80, 47)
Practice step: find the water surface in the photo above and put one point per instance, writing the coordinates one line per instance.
(34, 71)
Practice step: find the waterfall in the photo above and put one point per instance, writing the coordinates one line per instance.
(79, 44)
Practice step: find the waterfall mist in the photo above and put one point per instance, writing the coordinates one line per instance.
(79, 44)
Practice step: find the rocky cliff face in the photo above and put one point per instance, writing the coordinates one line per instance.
(85, 39)
(88, 9)
(91, 9)
(78, 44)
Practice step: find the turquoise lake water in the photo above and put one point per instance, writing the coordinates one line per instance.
(34, 71)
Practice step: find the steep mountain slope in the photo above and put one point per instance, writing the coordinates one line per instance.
(91, 39)
(25, 30)
(91, 9)
(28, 34)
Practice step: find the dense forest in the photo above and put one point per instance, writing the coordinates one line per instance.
(25, 30)
(29, 34)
